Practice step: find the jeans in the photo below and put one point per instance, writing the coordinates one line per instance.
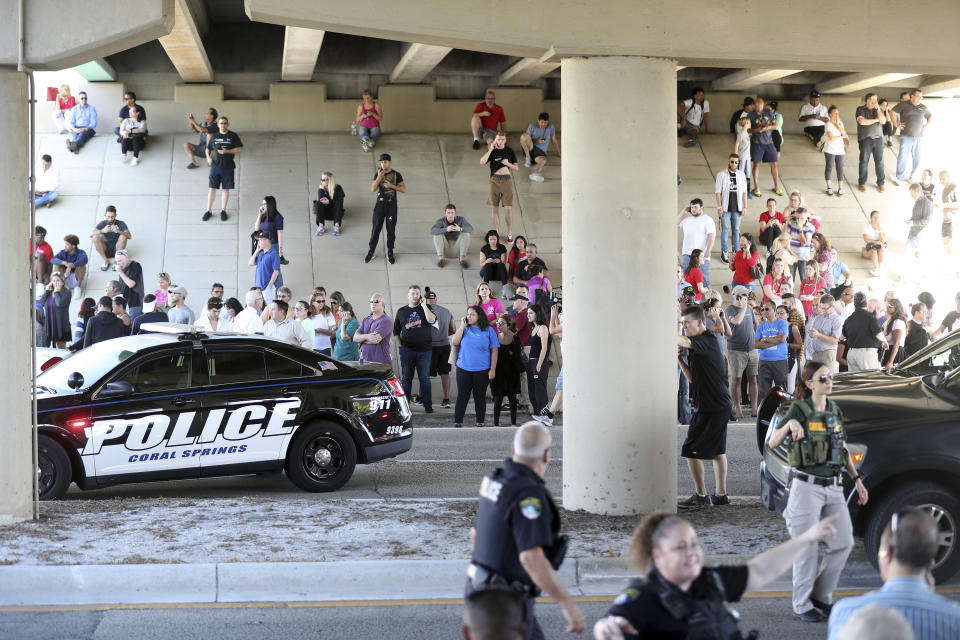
(373, 133)
(134, 143)
(49, 196)
(134, 312)
(909, 145)
(683, 399)
(831, 160)
(798, 270)
(705, 268)
(81, 138)
(474, 382)
(726, 219)
(418, 361)
(868, 147)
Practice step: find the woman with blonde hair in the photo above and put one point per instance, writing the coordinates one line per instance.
(329, 203)
(324, 324)
(65, 102)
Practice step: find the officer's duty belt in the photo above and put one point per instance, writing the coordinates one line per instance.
(823, 482)
(482, 577)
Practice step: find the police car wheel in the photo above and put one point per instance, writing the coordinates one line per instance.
(940, 503)
(322, 457)
(54, 470)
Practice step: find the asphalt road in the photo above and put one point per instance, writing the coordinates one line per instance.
(329, 621)
(444, 463)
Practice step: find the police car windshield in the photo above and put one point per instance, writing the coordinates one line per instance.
(92, 363)
(942, 354)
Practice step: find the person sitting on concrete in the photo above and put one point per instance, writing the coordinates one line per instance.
(42, 255)
(451, 235)
(179, 312)
(133, 135)
(487, 119)
(814, 117)
(692, 116)
(82, 123)
(534, 143)
(150, 314)
(369, 116)
(64, 103)
(329, 203)
(205, 128)
(71, 263)
(908, 546)
(46, 182)
(104, 325)
(109, 236)
(129, 102)
(493, 260)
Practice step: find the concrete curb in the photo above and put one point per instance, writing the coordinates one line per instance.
(32, 585)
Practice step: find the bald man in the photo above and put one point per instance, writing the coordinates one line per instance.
(524, 555)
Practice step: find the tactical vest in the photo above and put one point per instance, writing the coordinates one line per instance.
(495, 548)
(823, 438)
(707, 618)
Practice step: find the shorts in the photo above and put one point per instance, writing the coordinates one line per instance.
(500, 191)
(763, 153)
(537, 152)
(742, 362)
(870, 246)
(440, 361)
(707, 435)
(110, 248)
(946, 229)
(220, 178)
(559, 385)
(487, 133)
(198, 149)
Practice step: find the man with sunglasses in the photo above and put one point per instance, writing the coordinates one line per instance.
(823, 334)
(82, 124)
(742, 355)
(374, 333)
(908, 547)
(771, 341)
(731, 192)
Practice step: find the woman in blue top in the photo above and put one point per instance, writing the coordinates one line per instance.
(476, 362)
(345, 348)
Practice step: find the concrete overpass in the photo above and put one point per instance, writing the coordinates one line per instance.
(618, 65)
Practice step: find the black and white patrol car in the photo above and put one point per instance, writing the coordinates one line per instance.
(178, 404)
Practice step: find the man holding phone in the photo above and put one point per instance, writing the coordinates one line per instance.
(414, 334)
(386, 183)
(205, 129)
(109, 236)
(222, 146)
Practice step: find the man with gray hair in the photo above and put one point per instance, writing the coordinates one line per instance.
(908, 547)
(494, 614)
(864, 336)
(248, 320)
(877, 623)
(516, 537)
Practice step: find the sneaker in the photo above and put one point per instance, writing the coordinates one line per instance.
(336, 229)
(479, 425)
(464, 263)
(193, 165)
(363, 144)
(72, 146)
(320, 230)
(718, 500)
(822, 606)
(544, 417)
(457, 425)
(284, 261)
(445, 403)
(829, 191)
(223, 215)
(415, 399)
(536, 177)
(104, 266)
(695, 501)
(428, 409)
(509, 237)
(890, 144)
(725, 257)
(124, 158)
(368, 257)
(895, 181)
(757, 193)
(206, 216)
(690, 143)
(778, 191)
(875, 272)
(840, 192)
(813, 615)
(390, 257)
(476, 145)
(526, 162)
(135, 161)
(440, 262)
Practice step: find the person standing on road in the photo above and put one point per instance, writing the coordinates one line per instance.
(742, 356)
(412, 330)
(707, 435)
(516, 538)
(823, 333)
(818, 453)
(386, 183)
(441, 330)
(477, 353)
(771, 340)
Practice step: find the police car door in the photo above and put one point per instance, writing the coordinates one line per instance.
(142, 417)
(246, 413)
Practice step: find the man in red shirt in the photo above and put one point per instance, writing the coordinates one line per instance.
(42, 255)
(488, 118)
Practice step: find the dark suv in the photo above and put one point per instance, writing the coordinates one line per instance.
(904, 435)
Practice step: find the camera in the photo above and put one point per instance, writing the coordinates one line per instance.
(556, 298)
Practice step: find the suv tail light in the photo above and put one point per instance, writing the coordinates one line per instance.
(395, 387)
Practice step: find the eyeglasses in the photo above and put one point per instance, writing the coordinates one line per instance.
(164, 275)
(734, 162)
(827, 376)
(323, 179)
(300, 308)
(83, 97)
(375, 301)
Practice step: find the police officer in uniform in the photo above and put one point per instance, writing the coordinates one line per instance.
(678, 597)
(516, 537)
(817, 454)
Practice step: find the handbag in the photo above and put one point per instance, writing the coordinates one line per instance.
(756, 271)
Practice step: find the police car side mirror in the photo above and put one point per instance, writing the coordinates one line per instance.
(75, 380)
(116, 388)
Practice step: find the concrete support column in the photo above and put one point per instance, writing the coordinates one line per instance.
(16, 378)
(619, 272)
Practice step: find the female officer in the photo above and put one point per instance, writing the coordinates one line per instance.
(678, 598)
(818, 452)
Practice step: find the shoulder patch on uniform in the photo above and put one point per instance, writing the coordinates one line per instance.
(628, 595)
(531, 508)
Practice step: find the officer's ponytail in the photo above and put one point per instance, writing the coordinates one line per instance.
(810, 367)
(652, 528)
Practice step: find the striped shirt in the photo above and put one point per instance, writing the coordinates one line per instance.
(800, 239)
(931, 616)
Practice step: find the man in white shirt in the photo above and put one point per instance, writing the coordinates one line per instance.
(47, 182)
(814, 117)
(731, 191)
(210, 317)
(692, 116)
(699, 232)
(248, 320)
(283, 328)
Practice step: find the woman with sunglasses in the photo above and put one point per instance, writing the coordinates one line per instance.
(163, 291)
(329, 203)
(816, 440)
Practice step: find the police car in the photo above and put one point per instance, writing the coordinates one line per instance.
(904, 438)
(178, 404)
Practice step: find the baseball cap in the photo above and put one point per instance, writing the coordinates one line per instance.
(178, 290)
(261, 234)
(741, 290)
(151, 305)
(814, 94)
(431, 295)
(689, 291)
(386, 156)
